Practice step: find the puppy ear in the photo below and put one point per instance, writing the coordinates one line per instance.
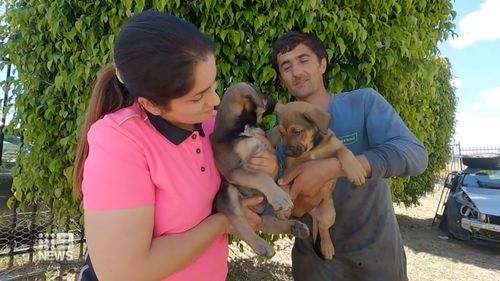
(253, 86)
(252, 93)
(273, 135)
(278, 108)
(319, 118)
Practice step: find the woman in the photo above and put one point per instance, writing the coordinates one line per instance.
(144, 162)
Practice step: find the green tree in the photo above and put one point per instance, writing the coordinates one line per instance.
(58, 46)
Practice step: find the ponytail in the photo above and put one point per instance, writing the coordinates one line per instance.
(108, 95)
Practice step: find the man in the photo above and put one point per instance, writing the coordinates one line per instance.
(366, 235)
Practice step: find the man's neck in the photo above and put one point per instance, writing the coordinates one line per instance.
(321, 99)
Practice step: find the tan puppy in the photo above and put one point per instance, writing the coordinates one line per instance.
(305, 136)
(234, 143)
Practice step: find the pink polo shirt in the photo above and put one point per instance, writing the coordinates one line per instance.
(131, 164)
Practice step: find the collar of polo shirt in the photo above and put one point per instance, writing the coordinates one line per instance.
(174, 134)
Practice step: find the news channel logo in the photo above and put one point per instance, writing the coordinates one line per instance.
(55, 246)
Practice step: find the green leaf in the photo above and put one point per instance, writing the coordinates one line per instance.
(68, 173)
(261, 43)
(340, 44)
(79, 25)
(57, 193)
(363, 34)
(236, 37)
(59, 47)
(330, 53)
(268, 73)
(58, 81)
(139, 5)
(361, 47)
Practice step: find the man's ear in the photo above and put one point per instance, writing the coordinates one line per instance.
(322, 65)
(319, 118)
(149, 106)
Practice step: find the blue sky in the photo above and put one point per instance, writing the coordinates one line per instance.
(475, 60)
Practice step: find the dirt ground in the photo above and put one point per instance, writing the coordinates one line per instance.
(431, 254)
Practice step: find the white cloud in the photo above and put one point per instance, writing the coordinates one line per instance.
(490, 100)
(479, 25)
(456, 82)
(478, 123)
(472, 130)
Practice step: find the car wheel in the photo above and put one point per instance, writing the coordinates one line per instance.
(443, 221)
(453, 220)
(484, 160)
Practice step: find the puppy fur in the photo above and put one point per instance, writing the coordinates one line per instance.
(234, 143)
(305, 135)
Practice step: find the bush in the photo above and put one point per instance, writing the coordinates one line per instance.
(58, 47)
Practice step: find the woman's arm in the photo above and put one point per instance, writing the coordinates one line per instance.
(122, 247)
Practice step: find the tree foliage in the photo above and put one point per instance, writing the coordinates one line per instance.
(58, 46)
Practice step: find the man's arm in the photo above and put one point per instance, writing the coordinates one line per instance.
(394, 149)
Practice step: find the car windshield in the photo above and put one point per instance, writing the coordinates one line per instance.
(483, 178)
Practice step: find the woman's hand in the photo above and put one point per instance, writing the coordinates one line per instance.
(265, 161)
(254, 220)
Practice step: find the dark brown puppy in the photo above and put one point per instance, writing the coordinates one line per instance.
(304, 134)
(234, 143)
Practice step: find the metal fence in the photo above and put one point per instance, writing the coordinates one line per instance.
(458, 151)
(32, 236)
(33, 244)
(31, 241)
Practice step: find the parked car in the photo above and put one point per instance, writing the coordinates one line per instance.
(472, 206)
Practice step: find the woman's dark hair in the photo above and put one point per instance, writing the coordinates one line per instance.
(155, 55)
(292, 39)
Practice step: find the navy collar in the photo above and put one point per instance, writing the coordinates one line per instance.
(174, 134)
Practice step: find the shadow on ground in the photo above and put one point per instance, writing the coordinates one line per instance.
(420, 236)
(250, 269)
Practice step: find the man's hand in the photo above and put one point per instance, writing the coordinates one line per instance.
(308, 180)
(265, 161)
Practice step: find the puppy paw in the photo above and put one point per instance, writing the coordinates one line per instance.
(327, 250)
(355, 173)
(282, 204)
(300, 230)
(357, 180)
(263, 249)
(283, 214)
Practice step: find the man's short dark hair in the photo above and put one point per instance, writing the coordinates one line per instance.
(292, 39)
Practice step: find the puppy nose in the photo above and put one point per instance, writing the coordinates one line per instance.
(287, 152)
(291, 151)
